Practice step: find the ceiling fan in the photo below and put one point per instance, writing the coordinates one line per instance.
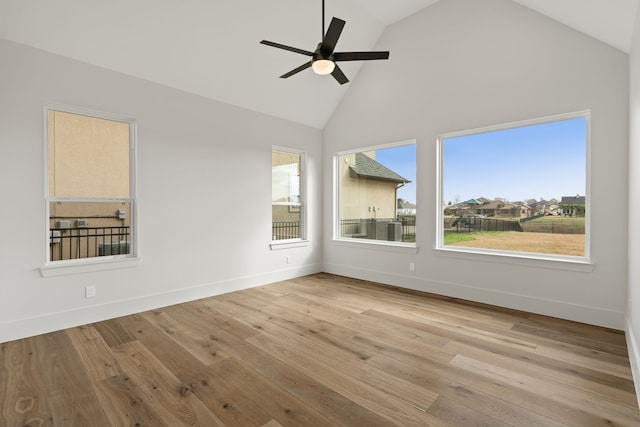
(323, 59)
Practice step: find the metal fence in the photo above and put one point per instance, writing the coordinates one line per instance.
(557, 226)
(467, 224)
(282, 230)
(88, 242)
(401, 229)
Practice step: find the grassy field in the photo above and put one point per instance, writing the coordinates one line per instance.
(555, 224)
(546, 243)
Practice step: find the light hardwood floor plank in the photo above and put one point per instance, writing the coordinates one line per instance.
(321, 350)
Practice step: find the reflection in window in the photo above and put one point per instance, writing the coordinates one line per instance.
(286, 196)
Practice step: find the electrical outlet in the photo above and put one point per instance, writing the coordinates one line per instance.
(412, 266)
(90, 292)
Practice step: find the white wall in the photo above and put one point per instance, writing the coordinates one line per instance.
(465, 64)
(204, 195)
(633, 314)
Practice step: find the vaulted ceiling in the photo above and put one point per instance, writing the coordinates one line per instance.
(210, 47)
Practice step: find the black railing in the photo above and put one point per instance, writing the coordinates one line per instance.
(401, 229)
(283, 230)
(88, 242)
(466, 224)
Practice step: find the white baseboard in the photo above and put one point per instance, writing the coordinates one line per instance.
(49, 322)
(634, 356)
(578, 313)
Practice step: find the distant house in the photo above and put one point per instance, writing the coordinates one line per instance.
(494, 208)
(506, 209)
(406, 208)
(361, 171)
(542, 207)
(572, 205)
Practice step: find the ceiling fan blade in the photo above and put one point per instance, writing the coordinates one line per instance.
(285, 47)
(297, 70)
(331, 38)
(360, 56)
(339, 75)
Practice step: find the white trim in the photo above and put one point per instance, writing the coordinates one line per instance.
(302, 203)
(288, 244)
(548, 307)
(517, 258)
(336, 195)
(634, 356)
(585, 260)
(377, 147)
(49, 322)
(377, 245)
(91, 264)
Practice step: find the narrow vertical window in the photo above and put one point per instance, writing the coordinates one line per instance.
(287, 194)
(89, 184)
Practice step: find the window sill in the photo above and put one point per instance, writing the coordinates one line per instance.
(378, 245)
(104, 263)
(289, 244)
(556, 262)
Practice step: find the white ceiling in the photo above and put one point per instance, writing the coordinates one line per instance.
(211, 47)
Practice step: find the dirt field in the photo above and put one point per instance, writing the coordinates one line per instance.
(546, 243)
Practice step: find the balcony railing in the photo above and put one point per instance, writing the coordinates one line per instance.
(400, 229)
(282, 230)
(88, 242)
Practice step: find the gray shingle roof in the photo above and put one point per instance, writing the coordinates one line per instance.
(366, 167)
(572, 200)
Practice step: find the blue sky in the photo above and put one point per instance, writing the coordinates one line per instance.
(542, 161)
(401, 160)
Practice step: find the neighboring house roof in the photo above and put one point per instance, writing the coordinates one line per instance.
(497, 204)
(572, 200)
(366, 167)
(403, 204)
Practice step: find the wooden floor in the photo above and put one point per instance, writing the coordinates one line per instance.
(321, 350)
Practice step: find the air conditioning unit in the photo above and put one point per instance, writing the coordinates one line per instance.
(394, 231)
(55, 237)
(113, 248)
(63, 223)
(81, 223)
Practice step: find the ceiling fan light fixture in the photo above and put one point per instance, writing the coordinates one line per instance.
(323, 59)
(323, 66)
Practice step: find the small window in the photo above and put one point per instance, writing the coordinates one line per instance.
(90, 200)
(287, 195)
(376, 198)
(517, 188)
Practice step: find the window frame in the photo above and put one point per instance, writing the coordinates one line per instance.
(506, 255)
(411, 247)
(96, 263)
(302, 203)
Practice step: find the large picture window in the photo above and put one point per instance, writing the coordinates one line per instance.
(287, 195)
(376, 195)
(90, 185)
(517, 188)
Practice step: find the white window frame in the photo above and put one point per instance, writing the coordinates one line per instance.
(578, 263)
(82, 265)
(410, 247)
(302, 240)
